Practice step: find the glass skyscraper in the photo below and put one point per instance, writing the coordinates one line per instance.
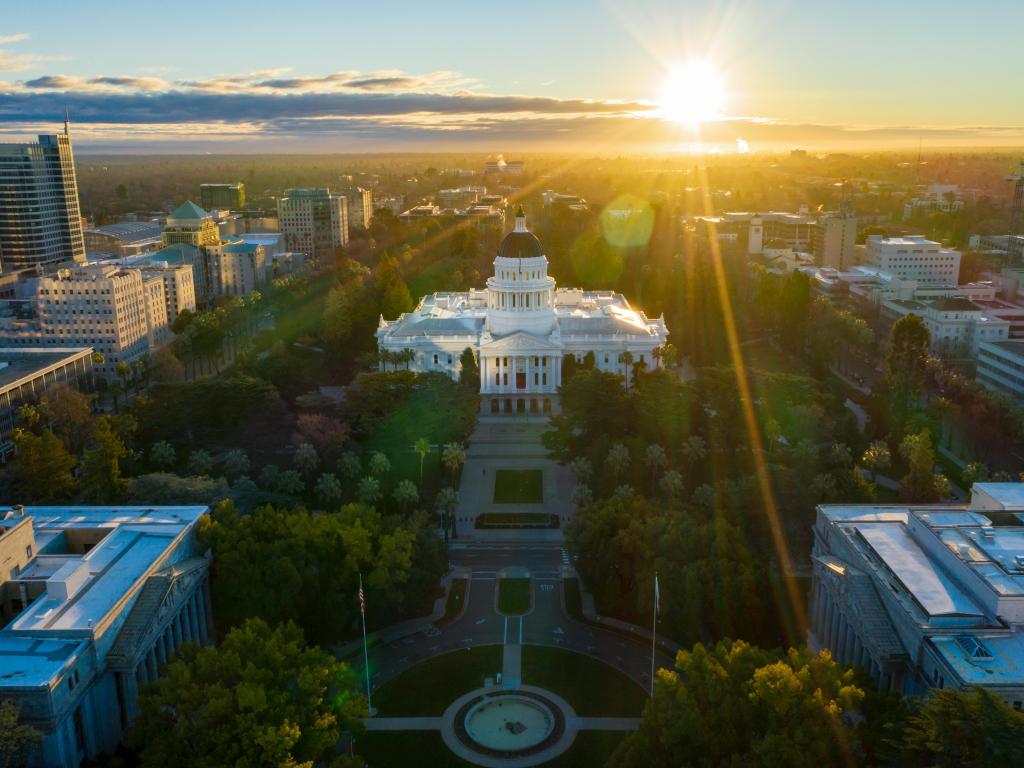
(40, 221)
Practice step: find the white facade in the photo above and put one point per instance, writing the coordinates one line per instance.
(914, 257)
(94, 601)
(957, 326)
(925, 597)
(237, 268)
(1001, 367)
(313, 221)
(520, 329)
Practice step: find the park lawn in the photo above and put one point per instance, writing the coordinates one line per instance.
(513, 596)
(427, 689)
(456, 599)
(591, 687)
(518, 486)
(426, 749)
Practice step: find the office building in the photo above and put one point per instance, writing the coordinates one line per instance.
(1001, 366)
(314, 222)
(237, 268)
(127, 238)
(460, 197)
(102, 306)
(834, 240)
(925, 597)
(957, 326)
(94, 601)
(914, 257)
(194, 257)
(190, 224)
(40, 221)
(217, 197)
(27, 373)
(360, 206)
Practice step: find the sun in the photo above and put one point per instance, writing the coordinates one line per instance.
(693, 93)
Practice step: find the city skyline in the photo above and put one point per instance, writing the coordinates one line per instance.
(576, 76)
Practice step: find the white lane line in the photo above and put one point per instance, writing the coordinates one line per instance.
(520, 630)
(504, 637)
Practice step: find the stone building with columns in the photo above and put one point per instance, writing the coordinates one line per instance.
(521, 328)
(925, 597)
(93, 602)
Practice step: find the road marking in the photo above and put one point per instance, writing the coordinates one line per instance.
(480, 621)
(546, 587)
(520, 630)
(558, 631)
(504, 637)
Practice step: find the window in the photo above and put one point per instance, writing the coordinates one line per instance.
(28, 551)
(435, 359)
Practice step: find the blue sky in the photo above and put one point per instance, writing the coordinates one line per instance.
(341, 74)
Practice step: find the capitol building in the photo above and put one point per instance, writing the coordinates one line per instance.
(520, 328)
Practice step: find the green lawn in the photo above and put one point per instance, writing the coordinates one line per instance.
(456, 598)
(428, 688)
(426, 749)
(513, 596)
(593, 688)
(518, 486)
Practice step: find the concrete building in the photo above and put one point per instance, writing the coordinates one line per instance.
(1001, 366)
(834, 240)
(914, 257)
(178, 286)
(393, 203)
(460, 197)
(360, 206)
(273, 242)
(190, 224)
(95, 601)
(25, 375)
(127, 238)
(957, 326)
(215, 197)
(521, 328)
(936, 197)
(40, 221)
(925, 597)
(102, 306)
(193, 257)
(314, 222)
(237, 268)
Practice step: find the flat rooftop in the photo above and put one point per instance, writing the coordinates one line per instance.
(18, 364)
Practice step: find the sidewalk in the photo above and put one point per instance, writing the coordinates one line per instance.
(591, 615)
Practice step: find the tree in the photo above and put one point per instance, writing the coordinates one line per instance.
(124, 372)
(671, 484)
(582, 496)
(328, 489)
(581, 469)
(290, 483)
(453, 457)
(876, 458)
(921, 485)
(422, 448)
(42, 468)
(236, 463)
(617, 459)
(368, 490)
(446, 502)
(695, 449)
(101, 468)
(268, 475)
(469, 376)
(405, 494)
(168, 488)
(349, 465)
(963, 729)
(199, 462)
(162, 455)
(380, 465)
(734, 704)
(306, 459)
(655, 459)
(69, 413)
(17, 740)
(261, 697)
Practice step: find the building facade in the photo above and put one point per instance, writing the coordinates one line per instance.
(957, 326)
(925, 597)
(914, 257)
(1001, 366)
(834, 240)
(27, 373)
(40, 220)
(360, 206)
(238, 268)
(94, 602)
(313, 221)
(127, 238)
(221, 197)
(521, 328)
(190, 224)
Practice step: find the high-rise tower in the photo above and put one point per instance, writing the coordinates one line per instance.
(40, 221)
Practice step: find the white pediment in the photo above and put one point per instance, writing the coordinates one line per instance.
(521, 342)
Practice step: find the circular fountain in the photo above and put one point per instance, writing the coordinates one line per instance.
(509, 724)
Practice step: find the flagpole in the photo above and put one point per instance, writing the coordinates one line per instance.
(366, 655)
(654, 631)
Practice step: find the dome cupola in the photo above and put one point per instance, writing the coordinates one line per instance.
(520, 243)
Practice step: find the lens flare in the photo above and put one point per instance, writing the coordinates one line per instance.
(692, 94)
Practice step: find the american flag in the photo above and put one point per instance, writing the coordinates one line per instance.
(657, 596)
(362, 599)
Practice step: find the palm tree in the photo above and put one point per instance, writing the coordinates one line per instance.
(349, 465)
(581, 469)
(405, 494)
(328, 489)
(422, 447)
(379, 464)
(582, 496)
(368, 490)
(161, 454)
(655, 459)
(446, 502)
(617, 459)
(695, 449)
(671, 484)
(453, 456)
(626, 359)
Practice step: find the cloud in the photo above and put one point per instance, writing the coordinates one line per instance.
(7, 39)
(21, 61)
(389, 109)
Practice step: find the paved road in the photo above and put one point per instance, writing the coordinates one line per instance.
(480, 624)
